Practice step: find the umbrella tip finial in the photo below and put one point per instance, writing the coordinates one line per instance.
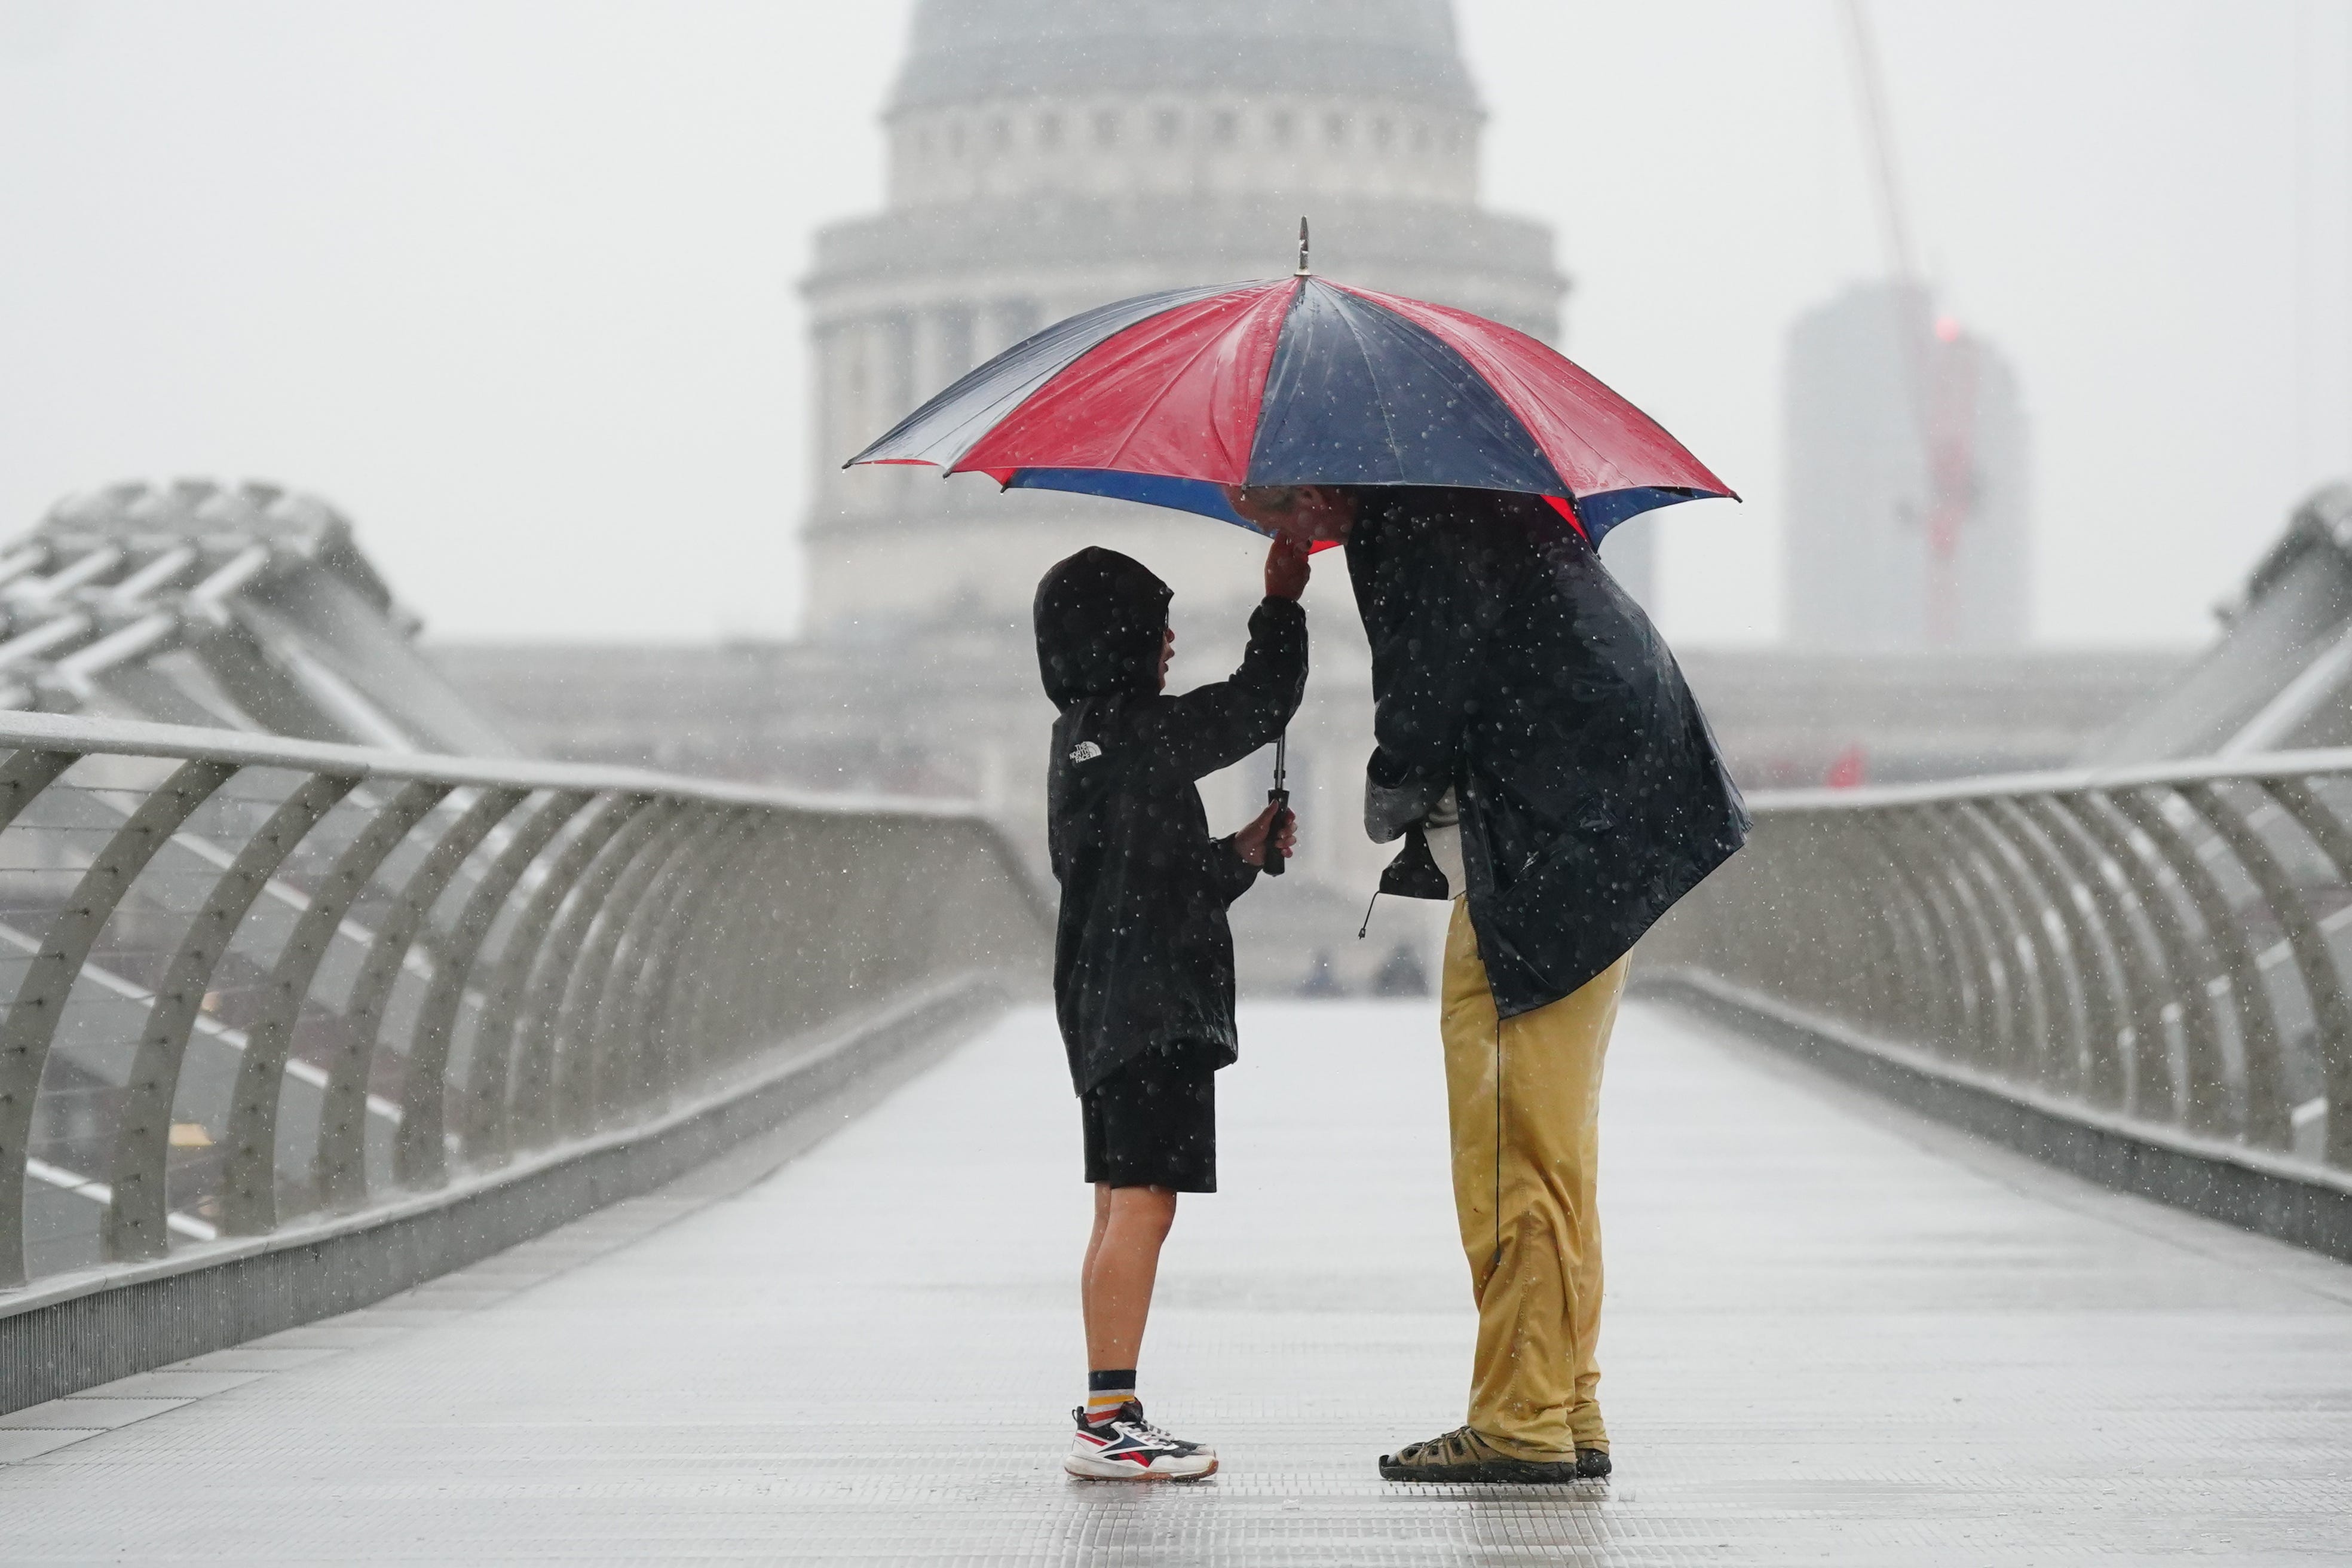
(1304, 271)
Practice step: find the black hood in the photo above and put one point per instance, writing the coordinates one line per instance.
(1099, 616)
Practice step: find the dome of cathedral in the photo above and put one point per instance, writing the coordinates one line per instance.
(968, 51)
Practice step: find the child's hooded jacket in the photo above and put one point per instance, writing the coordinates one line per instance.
(1142, 955)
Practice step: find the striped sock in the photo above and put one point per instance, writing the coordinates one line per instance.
(1107, 1392)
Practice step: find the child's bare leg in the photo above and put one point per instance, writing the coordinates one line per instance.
(1086, 1269)
(1122, 1263)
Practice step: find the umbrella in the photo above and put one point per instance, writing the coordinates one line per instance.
(1167, 398)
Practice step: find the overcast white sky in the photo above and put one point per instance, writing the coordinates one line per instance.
(511, 280)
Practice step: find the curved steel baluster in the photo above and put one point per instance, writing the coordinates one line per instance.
(339, 1157)
(2022, 902)
(486, 1111)
(2185, 963)
(2270, 1121)
(2257, 1027)
(2098, 1066)
(1941, 978)
(705, 1021)
(31, 1024)
(690, 969)
(134, 1224)
(420, 1154)
(1915, 991)
(22, 779)
(2326, 830)
(1996, 1038)
(742, 1027)
(643, 1016)
(575, 1018)
(2140, 1038)
(536, 1115)
(249, 1177)
(1872, 911)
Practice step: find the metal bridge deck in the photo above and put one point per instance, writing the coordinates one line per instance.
(1835, 1335)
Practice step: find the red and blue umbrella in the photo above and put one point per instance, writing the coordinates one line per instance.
(1166, 398)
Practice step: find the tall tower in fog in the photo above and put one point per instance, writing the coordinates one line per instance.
(1046, 156)
(1907, 474)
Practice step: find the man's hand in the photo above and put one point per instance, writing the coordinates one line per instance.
(1312, 514)
(1250, 842)
(1286, 570)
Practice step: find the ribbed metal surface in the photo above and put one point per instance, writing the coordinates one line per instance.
(1830, 1339)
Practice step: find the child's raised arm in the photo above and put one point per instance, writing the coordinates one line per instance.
(1215, 726)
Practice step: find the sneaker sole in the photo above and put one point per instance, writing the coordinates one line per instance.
(1105, 1471)
(1485, 1472)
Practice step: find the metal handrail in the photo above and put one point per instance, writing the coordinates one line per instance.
(1986, 786)
(364, 971)
(2167, 944)
(135, 738)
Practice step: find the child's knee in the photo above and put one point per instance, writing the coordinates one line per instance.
(1154, 1207)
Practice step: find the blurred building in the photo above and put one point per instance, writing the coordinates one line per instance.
(1907, 480)
(1047, 156)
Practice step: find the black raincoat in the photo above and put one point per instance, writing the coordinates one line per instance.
(1142, 955)
(1508, 666)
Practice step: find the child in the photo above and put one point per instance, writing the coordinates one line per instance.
(1143, 960)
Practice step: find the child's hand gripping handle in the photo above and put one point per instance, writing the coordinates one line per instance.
(1278, 797)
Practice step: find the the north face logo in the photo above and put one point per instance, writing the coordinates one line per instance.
(1085, 751)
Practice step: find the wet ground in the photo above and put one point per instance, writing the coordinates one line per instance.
(1835, 1334)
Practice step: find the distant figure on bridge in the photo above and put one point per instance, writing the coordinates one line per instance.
(1538, 752)
(1143, 957)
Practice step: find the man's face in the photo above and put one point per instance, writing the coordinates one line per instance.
(1167, 653)
(1305, 514)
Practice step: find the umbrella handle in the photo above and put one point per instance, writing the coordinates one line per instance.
(1270, 858)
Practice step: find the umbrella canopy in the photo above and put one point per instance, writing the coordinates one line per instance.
(1166, 398)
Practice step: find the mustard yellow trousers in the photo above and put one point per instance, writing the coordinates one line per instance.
(1524, 1164)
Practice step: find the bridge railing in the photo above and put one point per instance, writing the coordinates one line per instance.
(2164, 947)
(252, 981)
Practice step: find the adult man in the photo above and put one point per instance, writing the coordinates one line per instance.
(1538, 749)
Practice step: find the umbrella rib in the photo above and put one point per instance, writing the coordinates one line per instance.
(1379, 394)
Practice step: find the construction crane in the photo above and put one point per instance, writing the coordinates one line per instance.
(1939, 371)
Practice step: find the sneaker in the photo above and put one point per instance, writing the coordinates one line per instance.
(1462, 1455)
(1131, 1447)
(1591, 1464)
(1127, 1447)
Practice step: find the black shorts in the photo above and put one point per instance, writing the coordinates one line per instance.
(1153, 1124)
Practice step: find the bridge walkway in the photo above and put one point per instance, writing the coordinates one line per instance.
(1835, 1335)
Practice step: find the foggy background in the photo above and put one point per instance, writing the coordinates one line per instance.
(513, 283)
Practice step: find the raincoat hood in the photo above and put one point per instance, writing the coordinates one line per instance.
(1099, 616)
